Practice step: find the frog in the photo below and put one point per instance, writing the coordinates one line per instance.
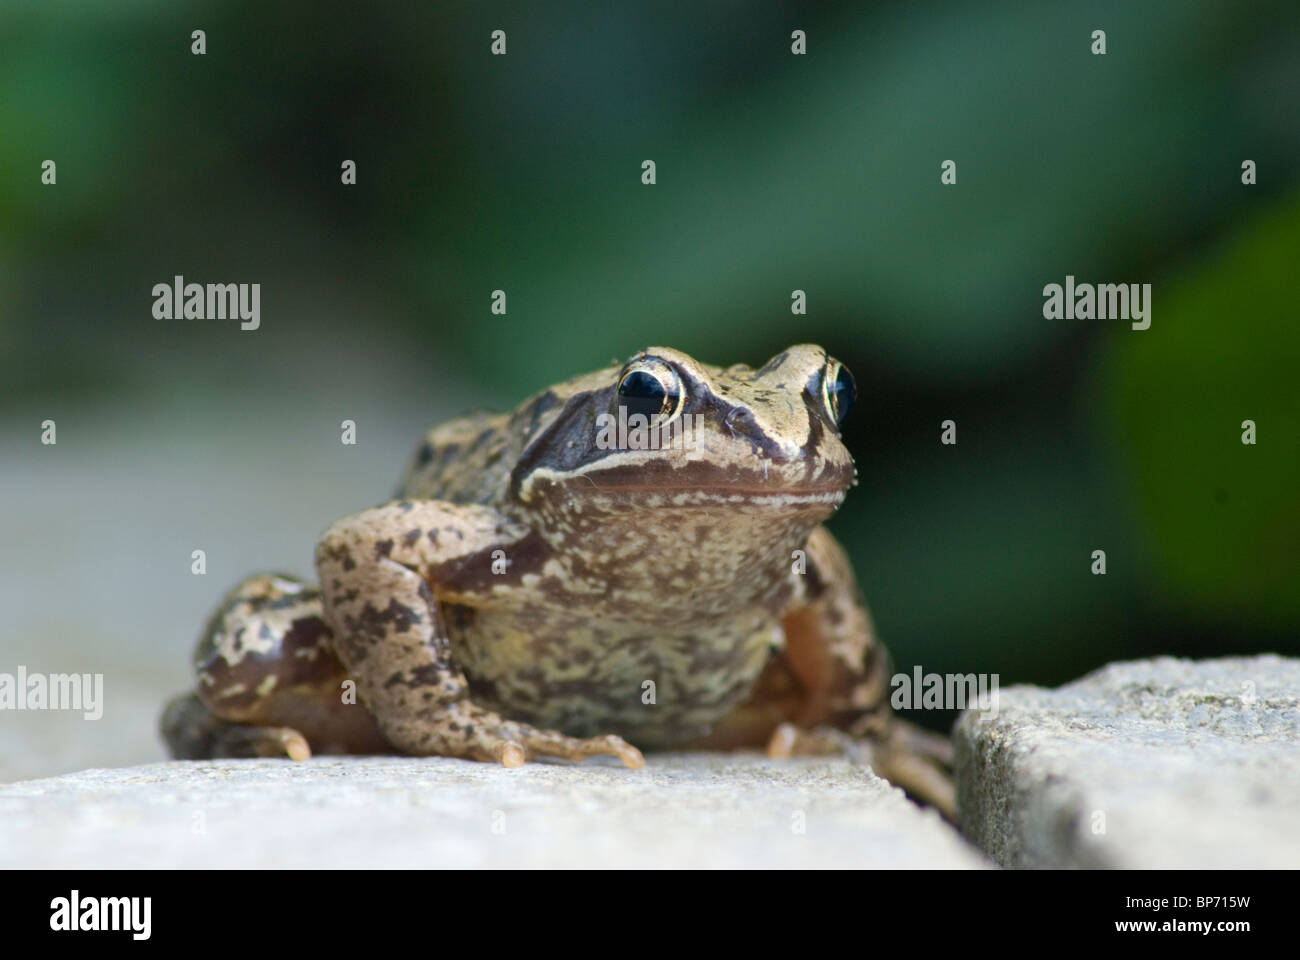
(634, 559)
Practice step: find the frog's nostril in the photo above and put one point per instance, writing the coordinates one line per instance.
(738, 420)
(741, 424)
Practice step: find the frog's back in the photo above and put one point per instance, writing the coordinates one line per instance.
(465, 460)
(469, 459)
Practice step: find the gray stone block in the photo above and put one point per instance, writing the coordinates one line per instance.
(683, 810)
(1154, 763)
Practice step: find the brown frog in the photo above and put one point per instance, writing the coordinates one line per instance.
(637, 553)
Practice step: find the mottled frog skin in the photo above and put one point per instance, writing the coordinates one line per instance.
(543, 586)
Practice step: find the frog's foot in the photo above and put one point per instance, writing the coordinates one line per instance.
(916, 760)
(193, 732)
(551, 744)
(482, 735)
(909, 738)
(920, 761)
(241, 741)
(788, 741)
(921, 778)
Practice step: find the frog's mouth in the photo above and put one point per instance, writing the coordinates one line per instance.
(629, 498)
(721, 496)
(657, 482)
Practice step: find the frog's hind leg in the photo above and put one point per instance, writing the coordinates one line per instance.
(269, 684)
(827, 691)
(193, 732)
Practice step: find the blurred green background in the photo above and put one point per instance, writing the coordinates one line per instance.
(775, 172)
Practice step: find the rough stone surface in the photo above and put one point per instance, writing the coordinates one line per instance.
(1181, 763)
(683, 810)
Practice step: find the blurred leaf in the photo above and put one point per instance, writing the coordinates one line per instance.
(1223, 517)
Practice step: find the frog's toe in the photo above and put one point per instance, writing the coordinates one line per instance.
(510, 754)
(570, 748)
(552, 744)
(241, 741)
(788, 741)
(781, 744)
(618, 747)
(630, 755)
(294, 744)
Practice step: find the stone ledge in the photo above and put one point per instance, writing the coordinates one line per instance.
(1181, 763)
(683, 810)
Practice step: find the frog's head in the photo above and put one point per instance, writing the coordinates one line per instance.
(664, 433)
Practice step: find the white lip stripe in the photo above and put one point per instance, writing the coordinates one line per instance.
(703, 498)
(559, 477)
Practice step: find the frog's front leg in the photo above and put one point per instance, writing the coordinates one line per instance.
(838, 680)
(383, 575)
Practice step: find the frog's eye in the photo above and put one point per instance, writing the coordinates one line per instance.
(650, 387)
(838, 391)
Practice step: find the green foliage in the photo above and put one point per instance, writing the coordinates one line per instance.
(1222, 517)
